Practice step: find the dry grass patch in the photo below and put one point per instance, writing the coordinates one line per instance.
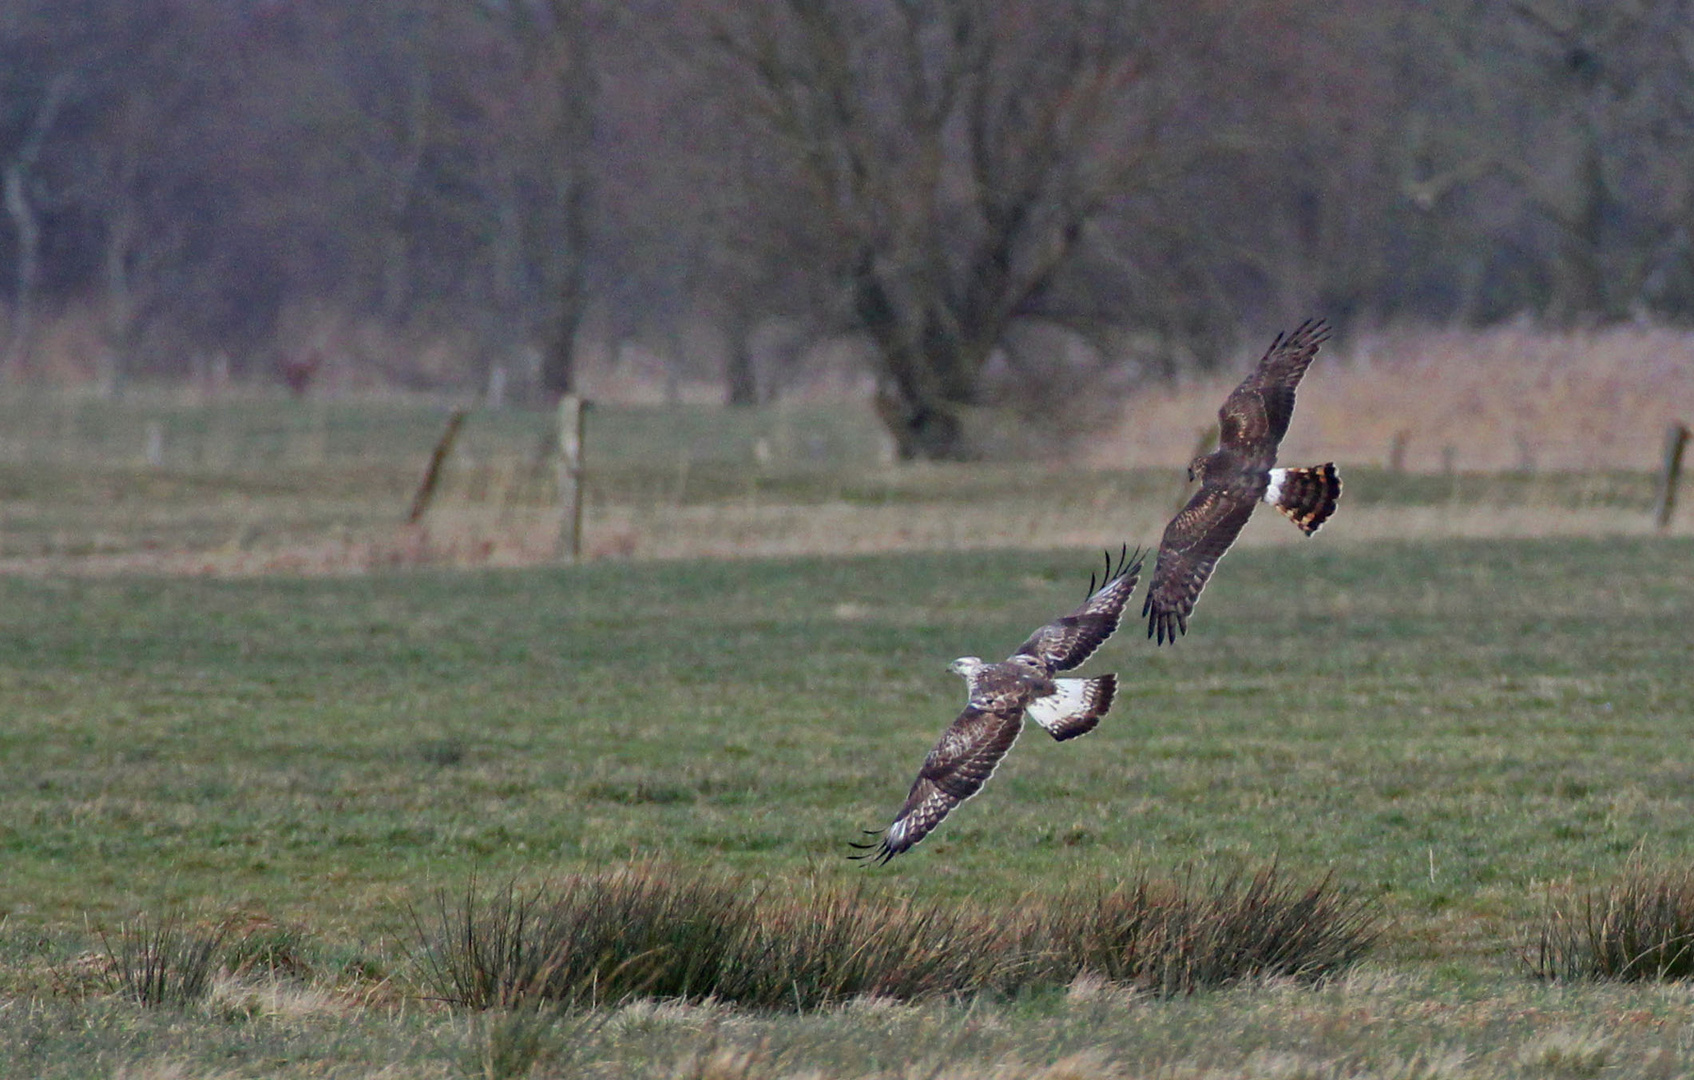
(236, 997)
(270, 949)
(1172, 938)
(1508, 398)
(839, 943)
(1641, 927)
(648, 932)
(166, 1069)
(163, 961)
(514, 1043)
(1566, 1052)
(587, 939)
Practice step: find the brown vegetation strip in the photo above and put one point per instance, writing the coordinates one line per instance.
(651, 931)
(1638, 928)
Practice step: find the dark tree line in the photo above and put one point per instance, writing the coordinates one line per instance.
(964, 185)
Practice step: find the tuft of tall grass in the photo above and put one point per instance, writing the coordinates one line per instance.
(1639, 928)
(838, 942)
(647, 932)
(523, 1042)
(270, 949)
(590, 938)
(1175, 938)
(162, 961)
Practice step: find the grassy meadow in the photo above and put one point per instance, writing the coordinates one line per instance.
(254, 486)
(236, 692)
(1455, 729)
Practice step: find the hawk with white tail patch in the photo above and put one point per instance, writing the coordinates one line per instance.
(1236, 477)
(1001, 695)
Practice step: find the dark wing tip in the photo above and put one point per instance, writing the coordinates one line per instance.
(1131, 563)
(1166, 625)
(1124, 564)
(879, 857)
(1311, 333)
(876, 852)
(1314, 329)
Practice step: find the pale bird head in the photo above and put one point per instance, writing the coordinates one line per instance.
(965, 666)
(1197, 467)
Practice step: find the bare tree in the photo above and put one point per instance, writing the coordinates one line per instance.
(18, 180)
(42, 59)
(1573, 109)
(543, 139)
(959, 150)
(718, 217)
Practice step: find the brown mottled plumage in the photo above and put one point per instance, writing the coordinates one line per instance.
(1001, 695)
(1236, 477)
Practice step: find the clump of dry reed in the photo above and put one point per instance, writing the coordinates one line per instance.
(163, 961)
(1171, 938)
(1638, 928)
(652, 932)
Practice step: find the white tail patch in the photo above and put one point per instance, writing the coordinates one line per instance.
(1075, 707)
(1306, 497)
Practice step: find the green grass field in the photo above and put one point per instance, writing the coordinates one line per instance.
(1457, 728)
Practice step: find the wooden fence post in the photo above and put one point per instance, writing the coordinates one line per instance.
(1670, 472)
(569, 544)
(432, 475)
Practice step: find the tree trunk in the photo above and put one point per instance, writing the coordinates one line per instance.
(928, 373)
(27, 224)
(741, 380)
(558, 359)
(1581, 291)
(558, 362)
(28, 230)
(922, 431)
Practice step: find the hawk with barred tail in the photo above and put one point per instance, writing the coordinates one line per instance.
(1236, 477)
(1001, 695)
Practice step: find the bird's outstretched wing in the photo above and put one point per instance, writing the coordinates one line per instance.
(1255, 416)
(1194, 541)
(1066, 642)
(1074, 707)
(969, 751)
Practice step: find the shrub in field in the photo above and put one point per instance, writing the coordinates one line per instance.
(837, 942)
(1175, 938)
(270, 949)
(1642, 927)
(162, 961)
(591, 938)
(523, 1042)
(645, 932)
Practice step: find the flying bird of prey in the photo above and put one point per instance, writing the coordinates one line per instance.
(1236, 477)
(1002, 695)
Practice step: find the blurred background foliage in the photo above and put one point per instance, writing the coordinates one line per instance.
(953, 205)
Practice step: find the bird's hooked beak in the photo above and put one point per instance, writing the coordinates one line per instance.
(1191, 474)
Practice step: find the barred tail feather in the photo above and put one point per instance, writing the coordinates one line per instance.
(1076, 707)
(1306, 496)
